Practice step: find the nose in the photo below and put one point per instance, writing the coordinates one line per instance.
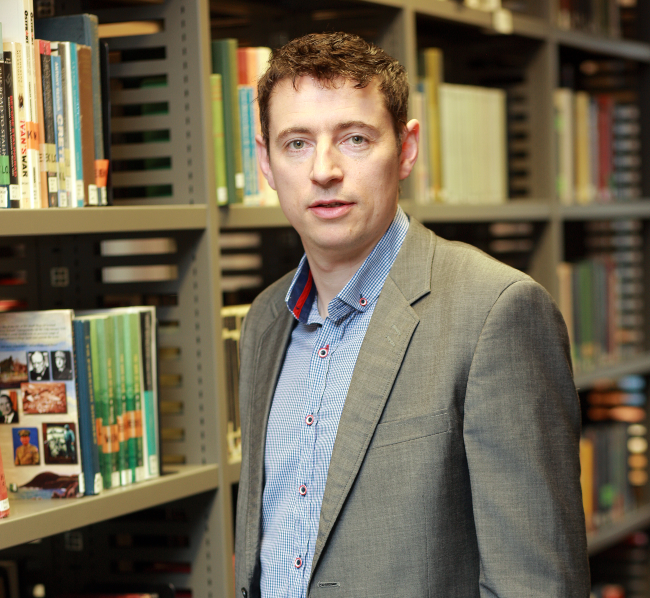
(325, 167)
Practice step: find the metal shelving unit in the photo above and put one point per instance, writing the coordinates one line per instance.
(190, 305)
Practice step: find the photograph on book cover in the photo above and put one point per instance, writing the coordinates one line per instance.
(13, 368)
(9, 406)
(46, 462)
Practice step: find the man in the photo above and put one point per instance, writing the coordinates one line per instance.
(39, 366)
(8, 415)
(410, 426)
(62, 365)
(26, 453)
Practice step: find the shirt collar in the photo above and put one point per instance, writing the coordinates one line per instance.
(362, 289)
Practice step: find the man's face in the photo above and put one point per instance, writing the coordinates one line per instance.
(24, 440)
(333, 159)
(5, 405)
(59, 360)
(38, 363)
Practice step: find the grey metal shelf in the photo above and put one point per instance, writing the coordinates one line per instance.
(240, 216)
(511, 210)
(620, 48)
(613, 533)
(33, 519)
(67, 221)
(636, 365)
(634, 209)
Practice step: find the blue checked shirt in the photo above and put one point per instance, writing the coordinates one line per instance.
(306, 410)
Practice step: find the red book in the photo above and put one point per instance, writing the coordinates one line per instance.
(4, 497)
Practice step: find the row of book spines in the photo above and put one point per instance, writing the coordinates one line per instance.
(602, 309)
(120, 425)
(235, 123)
(607, 490)
(47, 145)
(598, 147)
(597, 16)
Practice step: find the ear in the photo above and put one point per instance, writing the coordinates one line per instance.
(264, 161)
(410, 142)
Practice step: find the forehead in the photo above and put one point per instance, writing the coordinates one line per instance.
(309, 99)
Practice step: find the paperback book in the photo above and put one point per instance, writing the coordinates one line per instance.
(39, 426)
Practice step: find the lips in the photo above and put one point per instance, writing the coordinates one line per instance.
(330, 209)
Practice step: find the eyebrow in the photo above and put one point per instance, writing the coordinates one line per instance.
(359, 124)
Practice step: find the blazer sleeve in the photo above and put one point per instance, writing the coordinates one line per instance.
(521, 432)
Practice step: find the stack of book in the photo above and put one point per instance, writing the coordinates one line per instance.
(601, 297)
(232, 318)
(236, 122)
(53, 148)
(596, 16)
(464, 141)
(78, 400)
(613, 449)
(598, 143)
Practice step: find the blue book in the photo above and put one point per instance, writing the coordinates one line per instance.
(76, 107)
(86, 405)
(247, 120)
(59, 126)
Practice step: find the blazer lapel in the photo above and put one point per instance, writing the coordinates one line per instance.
(382, 352)
(268, 363)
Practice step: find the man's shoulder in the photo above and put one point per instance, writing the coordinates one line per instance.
(270, 303)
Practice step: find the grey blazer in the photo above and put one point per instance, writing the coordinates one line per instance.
(455, 470)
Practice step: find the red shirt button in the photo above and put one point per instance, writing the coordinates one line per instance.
(309, 420)
(302, 490)
(323, 351)
(363, 302)
(298, 562)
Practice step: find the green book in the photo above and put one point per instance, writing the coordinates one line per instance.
(224, 62)
(133, 377)
(120, 398)
(150, 391)
(218, 139)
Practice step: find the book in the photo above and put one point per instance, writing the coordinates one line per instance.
(224, 62)
(88, 428)
(563, 103)
(432, 75)
(40, 430)
(4, 138)
(121, 407)
(49, 125)
(149, 384)
(40, 116)
(86, 117)
(18, 24)
(249, 155)
(72, 117)
(219, 146)
(83, 29)
(101, 364)
(12, 141)
(20, 115)
(62, 157)
(232, 318)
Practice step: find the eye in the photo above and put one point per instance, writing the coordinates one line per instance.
(357, 139)
(297, 144)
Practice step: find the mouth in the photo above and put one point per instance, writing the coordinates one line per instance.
(329, 203)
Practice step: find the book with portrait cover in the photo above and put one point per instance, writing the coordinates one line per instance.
(39, 432)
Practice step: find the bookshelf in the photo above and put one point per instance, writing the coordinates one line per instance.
(179, 203)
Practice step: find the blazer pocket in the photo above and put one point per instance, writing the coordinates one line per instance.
(410, 429)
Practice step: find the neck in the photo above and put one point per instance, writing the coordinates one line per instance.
(330, 276)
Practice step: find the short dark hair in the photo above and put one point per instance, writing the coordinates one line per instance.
(331, 56)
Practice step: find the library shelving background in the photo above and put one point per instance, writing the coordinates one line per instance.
(568, 234)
